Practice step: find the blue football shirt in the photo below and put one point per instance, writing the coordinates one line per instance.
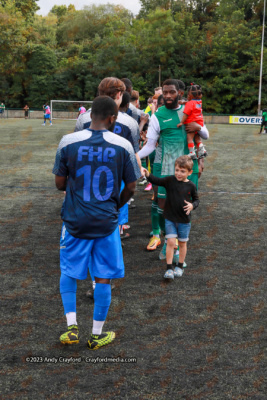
(95, 163)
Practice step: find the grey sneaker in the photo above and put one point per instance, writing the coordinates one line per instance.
(202, 152)
(178, 272)
(193, 155)
(169, 274)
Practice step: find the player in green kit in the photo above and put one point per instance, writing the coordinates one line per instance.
(264, 120)
(173, 142)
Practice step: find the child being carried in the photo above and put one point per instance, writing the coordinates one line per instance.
(193, 113)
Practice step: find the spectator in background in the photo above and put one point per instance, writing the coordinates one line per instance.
(82, 110)
(26, 111)
(2, 109)
(264, 120)
(47, 114)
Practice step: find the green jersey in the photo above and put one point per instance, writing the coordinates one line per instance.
(173, 139)
(264, 115)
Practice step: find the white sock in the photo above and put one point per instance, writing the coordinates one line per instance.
(97, 327)
(71, 318)
(93, 283)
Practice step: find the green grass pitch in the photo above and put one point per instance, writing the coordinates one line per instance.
(199, 337)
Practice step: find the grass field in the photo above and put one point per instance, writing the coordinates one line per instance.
(202, 336)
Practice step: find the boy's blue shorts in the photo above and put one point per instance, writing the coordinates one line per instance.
(106, 256)
(47, 116)
(177, 229)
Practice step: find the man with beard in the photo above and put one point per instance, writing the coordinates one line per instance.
(89, 166)
(173, 143)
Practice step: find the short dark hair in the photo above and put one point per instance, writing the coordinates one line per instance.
(160, 99)
(128, 84)
(126, 98)
(169, 82)
(181, 84)
(103, 107)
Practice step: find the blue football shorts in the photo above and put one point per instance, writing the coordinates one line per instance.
(47, 116)
(104, 254)
(123, 211)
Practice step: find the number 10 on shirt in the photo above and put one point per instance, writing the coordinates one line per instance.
(93, 181)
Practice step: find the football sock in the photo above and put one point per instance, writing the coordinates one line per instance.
(102, 298)
(169, 266)
(71, 318)
(191, 147)
(161, 221)
(97, 327)
(68, 288)
(180, 265)
(155, 219)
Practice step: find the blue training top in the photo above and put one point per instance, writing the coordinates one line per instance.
(95, 163)
(125, 126)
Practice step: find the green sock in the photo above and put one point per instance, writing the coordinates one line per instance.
(155, 218)
(161, 221)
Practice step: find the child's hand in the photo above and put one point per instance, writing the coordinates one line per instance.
(178, 126)
(144, 172)
(188, 207)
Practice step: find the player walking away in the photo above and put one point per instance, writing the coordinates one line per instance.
(142, 117)
(264, 121)
(26, 111)
(2, 110)
(193, 113)
(132, 110)
(125, 127)
(181, 199)
(173, 143)
(47, 115)
(82, 110)
(90, 165)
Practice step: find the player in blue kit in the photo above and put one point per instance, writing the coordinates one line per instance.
(89, 166)
(125, 127)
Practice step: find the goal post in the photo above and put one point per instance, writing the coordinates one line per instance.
(67, 109)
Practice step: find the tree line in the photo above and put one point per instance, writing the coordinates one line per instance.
(67, 53)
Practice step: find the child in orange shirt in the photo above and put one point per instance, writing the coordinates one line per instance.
(193, 113)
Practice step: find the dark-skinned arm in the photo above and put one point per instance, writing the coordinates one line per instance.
(127, 193)
(192, 127)
(200, 166)
(61, 182)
